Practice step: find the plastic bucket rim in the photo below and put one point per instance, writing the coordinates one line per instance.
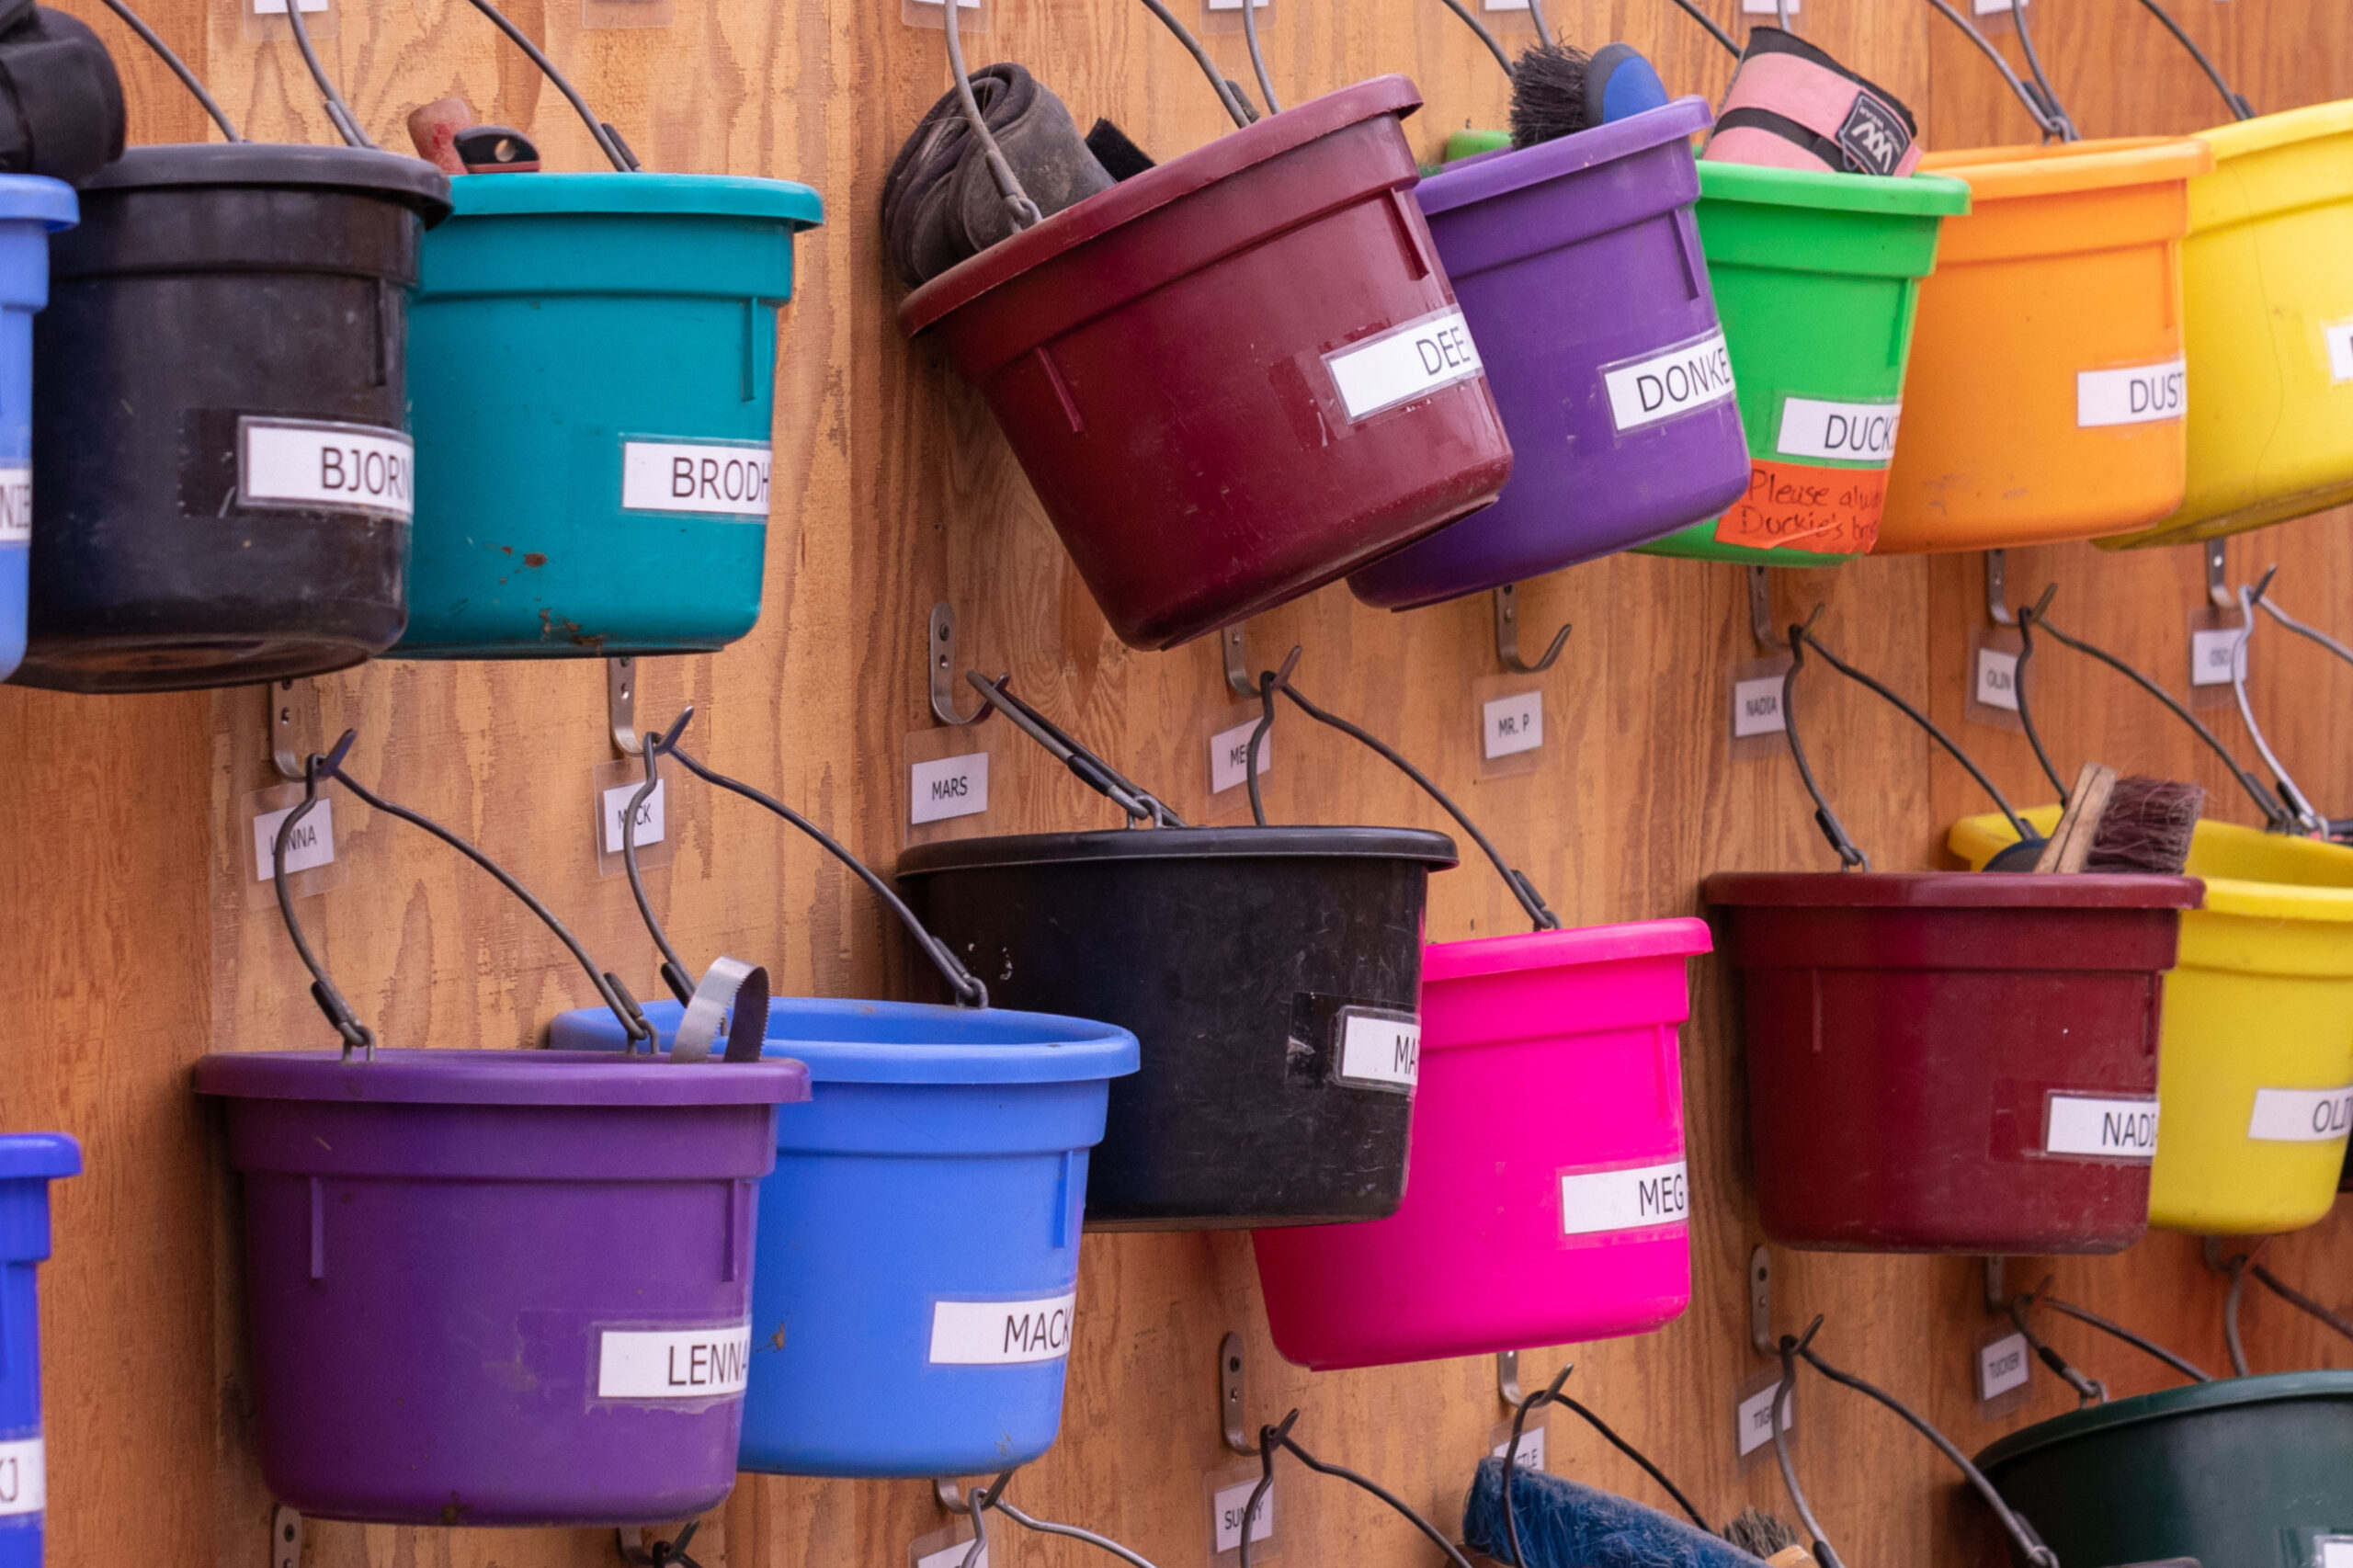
(2282, 128)
(1921, 194)
(2251, 897)
(38, 1156)
(2191, 1399)
(1950, 890)
(38, 199)
(1682, 935)
(1108, 846)
(649, 194)
(1508, 170)
(524, 1078)
(2030, 170)
(354, 171)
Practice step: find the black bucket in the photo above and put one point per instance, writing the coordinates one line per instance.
(225, 484)
(1237, 956)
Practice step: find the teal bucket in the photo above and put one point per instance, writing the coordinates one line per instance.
(591, 375)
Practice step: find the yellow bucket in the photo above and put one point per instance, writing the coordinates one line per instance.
(2255, 1065)
(2267, 314)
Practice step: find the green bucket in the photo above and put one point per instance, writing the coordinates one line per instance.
(2248, 1472)
(1816, 277)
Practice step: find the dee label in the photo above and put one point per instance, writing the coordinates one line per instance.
(2139, 394)
(688, 1363)
(310, 464)
(1643, 392)
(1633, 1200)
(2300, 1116)
(1404, 363)
(2101, 1127)
(1001, 1333)
(715, 478)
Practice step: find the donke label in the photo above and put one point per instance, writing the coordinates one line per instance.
(1632, 1200)
(1643, 392)
(2141, 394)
(317, 465)
(2101, 1128)
(1001, 1333)
(2301, 1116)
(15, 503)
(718, 479)
(685, 1363)
(1379, 1049)
(1842, 432)
(24, 1477)
(1404, 363)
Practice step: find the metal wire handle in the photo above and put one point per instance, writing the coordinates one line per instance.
(345, 125)
(2047, 116)
(2299, 804)
(1551, 1394)
(1258, 59)
(2067, 132)
(2088, 1390)
(1272, 681)
(1470, 20)
(2187, 1368)
(1228, 95)
(608, 140)
(980, 1500)
(1715, 29)
(331, 1002)
(1823, 1553)
(1141, 804)
(1021, 212)
(1277, 1438)
(2239, 106)
(153, 41)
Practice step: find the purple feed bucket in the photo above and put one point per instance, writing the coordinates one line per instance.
(499, 1287)
(1577, 264)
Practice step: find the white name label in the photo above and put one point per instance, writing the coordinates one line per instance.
(2300, 1116)
(2335, 1551)
(1509, 725)
(953, 1556)
(709, 477)
(2105, 1128)
(1001, 1333)
(2141, 394)
(950, 786)
(2002, 1366)
(311, 844)
(1757, 708)
(16, 504)
(1768, 7)
(1755, 1417)
(24, 1477)
(1625, 1200)
(2340, 362)
(1665, 385)
(687, 1363)
(1846, 431)
(1226, 1509)
(1411, 361)
(2211, 655)
(1531, 1455)
(1230, 757)
(649, 815)
(1376, 1050)
(311, 463)
(1998, 678)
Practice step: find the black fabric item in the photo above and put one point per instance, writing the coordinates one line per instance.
(1773, 41)
(1833, 156)
(61, 103)
(940, 204)
(1118, 154)
(1548, 94)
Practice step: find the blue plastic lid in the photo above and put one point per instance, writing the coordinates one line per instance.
(707, 196)
(44, 1155)
(38, 196)
(900, 1043)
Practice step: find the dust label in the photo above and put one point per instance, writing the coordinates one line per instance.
(683, 1363)
(16, 503)
(2002, 1366)
(1001, 1333)
(2340, 368)
(1757, 706)
(2141, 394)
(1401, 365)
(1643, 392)
(1509, 725)
(718, 479)
(1379, 1049)
(1998, 678)
(1843, 432)
(24, 1477)
(1753, 1418)
(1230, 757)
(1226, 1508)
(314, 464)
(650, 824)
(311, 844)
(1632, 1199)
(2101, 1127)
(950, 786)
(2301, 1116)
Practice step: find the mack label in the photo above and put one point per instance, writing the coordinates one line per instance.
(680, 1363)
(1998, 678)
(1755, 1417)
(16, 503)
(2300, 1116)
(1399, 366)
(1001, 1333)
(2140, 394)
(650, 824)
(2002, 1366)
(1509, 725)
(2102, 1127)
(314, 464)
(1632, 1199)
(311, 844)
(950, 786)
(1384, 1048)
(2340, 368)
(1644, 392)
(1842, 432)
(717, 479)
(24, 1477)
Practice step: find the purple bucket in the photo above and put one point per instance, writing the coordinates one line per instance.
(1577, 264)
(499, 1287)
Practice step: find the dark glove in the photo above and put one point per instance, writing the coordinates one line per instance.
(61, 103)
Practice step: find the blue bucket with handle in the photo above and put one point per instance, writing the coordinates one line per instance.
(32, 208)
(28, 1163)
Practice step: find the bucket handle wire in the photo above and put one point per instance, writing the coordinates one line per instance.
(1272, 681)
(1278, 1440)
(1235, 102)
(970, 992)
(2088, 1390)
(1144, 809)
(346, 125)
(2270, 607)
(1020, 211)
(2240, 108)
(2042, 103)
(1551, 1394)
(980, 1500)
(2299, 804)
(1715, 29)
(2238, 1266)
(154, 41)
(357, 1035)
(1802, 637)
(608, 140)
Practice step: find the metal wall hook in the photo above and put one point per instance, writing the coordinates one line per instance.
(1238, 678)
(1760, 610)
(1230, 1408)
(1508, 636)
(665, 1553)
(2218, 581)
(1760, 1301)
(1507, 1377)
(620, 698)
(1997, 1294)
(939, 656)
(1998, 589)
(287, 709)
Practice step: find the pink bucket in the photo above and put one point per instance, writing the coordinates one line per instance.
(1546, 1201)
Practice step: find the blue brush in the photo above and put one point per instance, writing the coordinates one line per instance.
(1565, 1525)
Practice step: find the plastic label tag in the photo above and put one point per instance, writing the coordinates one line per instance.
(24, 1477)
(2139, 394)
(2105, 1127)
(1643, 392)
(948, 787)
(2334, 1550)
(714, 478)
(1845, 432)
(16, 503)
(2340, 368)
(1753, 1418)
(1226, 1506)
(311, 844)
(685, 1363)
(1379, 1049)
(1531, 1450)
(306, 464)
(1757, 708)
(1230, 757)
(1634, 1199)
(2300, 1116)
(2211, 655)
(2002, 1366)
(1768, 7)
(1513, 723)
(953, 1556)
(1402, 363)
(616, 799)
(1998, 678)
(1001, 1333)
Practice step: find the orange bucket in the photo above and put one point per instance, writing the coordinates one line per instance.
(2046, 395)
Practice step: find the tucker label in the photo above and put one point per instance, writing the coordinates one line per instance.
(1643, 392)
(1230, 757)
(1757, 708)
(2300, 1116)
(616, 799)
(949, 787)
(24, 1477)
(718, 479)
(314, 463)
(311, 844)
(1824, 511)
(2340, 368)
(1844, 432)
(1001, 1333)
(15, 503)
(1227, 1505)
(1385, 1049)
(2139, 394)
(1632, 1199)
(685, 1363)
(1998, 678)
(2102, 1126)
(1755, 1417)
(1401, 365)
(1509, 725)
(2002, 1366)
(2212, 655)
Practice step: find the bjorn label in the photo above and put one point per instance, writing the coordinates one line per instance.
(1001, 1333)
(721, 478)
(1406, 363)
(1643, 392)
(682, 1363)
(1634, 1198)
(319, 465)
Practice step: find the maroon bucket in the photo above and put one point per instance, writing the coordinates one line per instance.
(1236, 376)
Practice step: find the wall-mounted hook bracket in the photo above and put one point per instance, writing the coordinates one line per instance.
(665, 1554)
(2218, 587)
(947, 1491)
(940, 657)
(1238, 662)
(620, 705)
(294, 714)
(1507, 641)
(1760, 1303)
(1760, 609)
(1998, 589)
(1997, 1293)
(285, 1526)
(1507, 1378)
(1229, 1395)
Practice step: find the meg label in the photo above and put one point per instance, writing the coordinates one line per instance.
(317, 464)
(717, 479)
(1633, 1200)
(2140, 394)
(685, 1363)
(1404, 363)
(1643, 392)
(1001, 1333)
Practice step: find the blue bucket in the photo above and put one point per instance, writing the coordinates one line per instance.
(28, 1163)
(917, 1258)
(32, 208)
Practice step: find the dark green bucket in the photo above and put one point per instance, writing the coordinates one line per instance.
(2248, 1472)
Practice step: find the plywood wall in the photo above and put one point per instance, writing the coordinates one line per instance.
(132, 944)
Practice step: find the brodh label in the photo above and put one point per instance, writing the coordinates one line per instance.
(314, 464)
(1643, 392)
(683, 1363)
(1631, 1199)
(716, 478)
(1001, 1333)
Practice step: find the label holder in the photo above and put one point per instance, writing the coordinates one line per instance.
(261, 889)
(1227, 1488)
(1746, 687)
(938, 745)
(2004, 1387)
(1510, 712)
(629, 773)
(1756, 1431)
(1992, 678)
